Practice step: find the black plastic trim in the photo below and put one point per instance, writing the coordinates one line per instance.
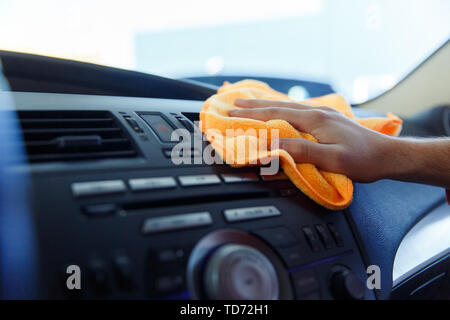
(35, 73)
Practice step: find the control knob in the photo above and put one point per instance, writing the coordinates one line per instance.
(346, 285)
(240, 272)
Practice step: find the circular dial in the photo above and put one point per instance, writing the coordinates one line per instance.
(239, 272)
(346, 285)
(233, 264)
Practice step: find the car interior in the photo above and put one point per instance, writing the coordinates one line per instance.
(86, 179)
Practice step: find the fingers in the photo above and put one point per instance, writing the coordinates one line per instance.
(303, 120)
(261, 103)
(305, 151)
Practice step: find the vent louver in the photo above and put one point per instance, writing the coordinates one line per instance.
(73, 135)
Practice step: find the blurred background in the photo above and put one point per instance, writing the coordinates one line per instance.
(360, 47)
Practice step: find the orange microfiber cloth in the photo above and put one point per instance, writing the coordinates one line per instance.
(238, 141)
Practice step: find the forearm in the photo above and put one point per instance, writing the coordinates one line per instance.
(349, 148)
(419, 160)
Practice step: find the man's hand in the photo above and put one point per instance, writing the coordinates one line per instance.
(347, 147)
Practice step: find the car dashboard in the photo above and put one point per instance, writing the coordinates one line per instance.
(105, 197)
(139, 224)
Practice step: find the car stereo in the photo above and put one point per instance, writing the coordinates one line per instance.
(138, 226)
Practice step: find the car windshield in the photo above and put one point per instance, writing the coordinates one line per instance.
(360, 47)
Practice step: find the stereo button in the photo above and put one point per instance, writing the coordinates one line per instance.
(133, 124)
(241, 177)
(95, 188)
(160, 126)
(242, 214)
(312, 239)
(176, 222)
(200, 180)
(187, 124)
(324, 236)
(336, 235)
(152, 183)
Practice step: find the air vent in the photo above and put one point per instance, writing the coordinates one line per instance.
(73, 135)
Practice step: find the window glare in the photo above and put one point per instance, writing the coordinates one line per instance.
(361, 47)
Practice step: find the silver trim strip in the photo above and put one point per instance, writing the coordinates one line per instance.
(426, 242)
